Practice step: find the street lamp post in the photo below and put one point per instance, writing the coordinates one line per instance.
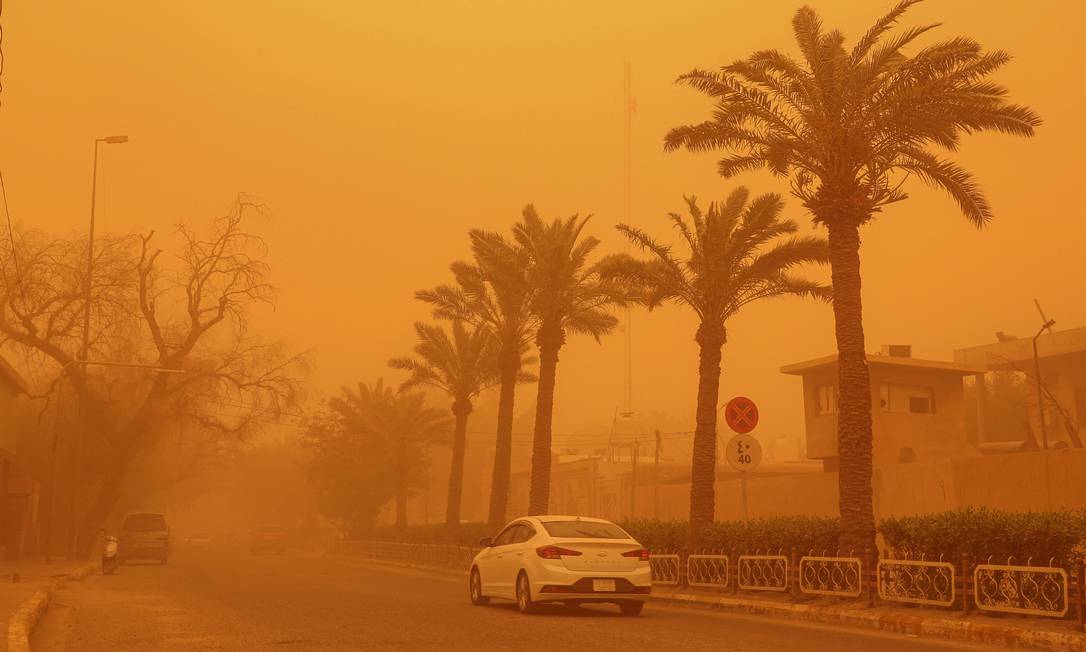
(85, 346)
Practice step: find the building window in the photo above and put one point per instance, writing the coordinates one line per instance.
(906, 399)
(827, 399)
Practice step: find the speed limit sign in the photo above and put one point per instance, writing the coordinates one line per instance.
(744, 453)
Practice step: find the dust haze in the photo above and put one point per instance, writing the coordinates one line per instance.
(356, 282)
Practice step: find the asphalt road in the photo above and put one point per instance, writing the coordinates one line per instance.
(216, 600)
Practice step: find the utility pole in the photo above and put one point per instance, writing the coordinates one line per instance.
(635, 449)
(656, 478)
(426, 493)
(84, 350)
(1048, 323)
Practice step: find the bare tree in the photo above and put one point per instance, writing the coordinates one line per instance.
(191, 316)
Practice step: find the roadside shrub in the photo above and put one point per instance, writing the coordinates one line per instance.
(656, 534)
(805, 533)
(1057, 535)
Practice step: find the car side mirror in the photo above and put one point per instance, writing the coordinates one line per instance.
(486, 542)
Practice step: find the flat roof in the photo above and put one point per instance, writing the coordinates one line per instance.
(1004, 355)
(958, 368)
(13, 376)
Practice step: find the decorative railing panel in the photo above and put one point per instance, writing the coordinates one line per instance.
(1031, 590)
(763, 572)
(709, 571)
(916, 582)
(839, 576)
(665, 568)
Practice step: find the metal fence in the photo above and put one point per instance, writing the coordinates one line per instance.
(920, 582)
(1029, 590)
(666, 569)
(763, 572)
(839, 576)
(1048, 591)
(707, 571)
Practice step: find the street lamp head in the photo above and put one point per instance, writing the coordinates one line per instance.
(116, 140)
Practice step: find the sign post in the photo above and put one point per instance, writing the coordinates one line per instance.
(744, 453)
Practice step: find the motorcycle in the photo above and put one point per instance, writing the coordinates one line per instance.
(110, 555)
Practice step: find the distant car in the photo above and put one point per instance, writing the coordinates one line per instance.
(268, 538)
(145, 535)
(563, 559)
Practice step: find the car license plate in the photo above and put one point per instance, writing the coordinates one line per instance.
(603, 585)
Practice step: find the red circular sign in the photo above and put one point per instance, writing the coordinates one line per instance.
(741, 414)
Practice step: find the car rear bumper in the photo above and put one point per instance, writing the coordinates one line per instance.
(562, 585)
(587, 598)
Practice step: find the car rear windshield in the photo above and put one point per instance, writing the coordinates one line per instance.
(144, 523)
(584, 530)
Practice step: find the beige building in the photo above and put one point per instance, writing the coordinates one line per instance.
(917, 407)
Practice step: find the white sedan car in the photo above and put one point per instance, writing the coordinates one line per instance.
(567, 559)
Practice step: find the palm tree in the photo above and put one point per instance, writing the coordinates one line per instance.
(493, 294)
(405, 425)
(462, 366)
(736, 255)
(848, 128)
(568, 297)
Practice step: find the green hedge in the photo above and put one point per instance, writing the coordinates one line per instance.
(1057, 535)
(804, 533)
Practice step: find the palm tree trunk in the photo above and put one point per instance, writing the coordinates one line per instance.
(710, 339)
(401, 484)
(550, 340)
(503, 445)
(461, 409)
(854, 439)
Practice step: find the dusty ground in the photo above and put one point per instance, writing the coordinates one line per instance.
(226, 600)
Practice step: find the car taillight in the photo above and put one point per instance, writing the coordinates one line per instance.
(554, 552)
(643, 553)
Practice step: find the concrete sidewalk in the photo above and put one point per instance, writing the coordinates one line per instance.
(22, 602)
(1005, 631)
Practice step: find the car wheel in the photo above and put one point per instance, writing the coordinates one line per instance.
(475, 588)
(631, 608)
(524, 595)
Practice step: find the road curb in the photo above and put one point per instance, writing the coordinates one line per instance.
(21, 623)
(921, 626)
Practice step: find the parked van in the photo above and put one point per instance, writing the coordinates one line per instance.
(145, 535)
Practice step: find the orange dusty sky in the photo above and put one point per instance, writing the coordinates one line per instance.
(379, 132)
